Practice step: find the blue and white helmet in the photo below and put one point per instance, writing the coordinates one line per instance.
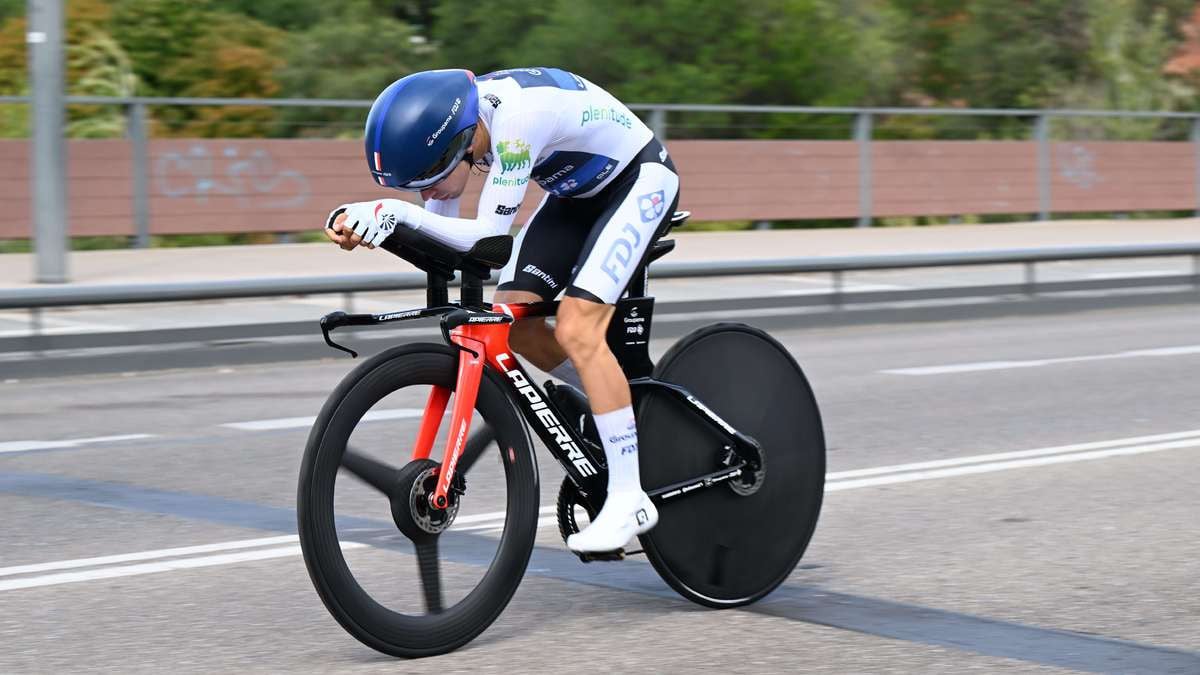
(421, 127)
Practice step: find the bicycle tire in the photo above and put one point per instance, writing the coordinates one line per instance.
(368, 621)
(713, 546)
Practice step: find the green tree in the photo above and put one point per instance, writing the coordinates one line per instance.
(802, 52)
(354, 55)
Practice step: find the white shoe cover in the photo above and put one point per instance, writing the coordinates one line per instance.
(624, 516)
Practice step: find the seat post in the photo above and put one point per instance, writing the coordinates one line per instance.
(472, 290)
(436, 291)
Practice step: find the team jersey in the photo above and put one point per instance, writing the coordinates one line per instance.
(547, 126)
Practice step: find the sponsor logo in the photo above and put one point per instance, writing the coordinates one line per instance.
(457, 451)
(532, 269)
(662, 155)
(399, 315)
(642, 517)
(621, 252)
(619, 438)
(593, 114)
(502, 210)
(514, 155)
(712, 415)
(493, 99)
(629, 449)
(387, 222)
(487, 319)
(445, 123)
(548, 180)
(509, 182)
(547, 418)
(651, 205)
(635, 330)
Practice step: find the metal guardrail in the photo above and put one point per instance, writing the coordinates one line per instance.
(69, 296)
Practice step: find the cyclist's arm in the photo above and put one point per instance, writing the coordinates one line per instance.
(516, 142)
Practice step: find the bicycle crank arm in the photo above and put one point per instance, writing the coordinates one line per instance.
(679, 489)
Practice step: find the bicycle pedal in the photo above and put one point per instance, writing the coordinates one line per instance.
(603, 556)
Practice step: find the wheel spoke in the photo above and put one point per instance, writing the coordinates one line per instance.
(431, 580)
(370, 470)
(476, 445)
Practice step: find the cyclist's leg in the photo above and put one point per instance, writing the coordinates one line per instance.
(617, 244)
(544, 252)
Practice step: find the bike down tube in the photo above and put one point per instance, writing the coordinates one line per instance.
(431, 421)
(470, 370)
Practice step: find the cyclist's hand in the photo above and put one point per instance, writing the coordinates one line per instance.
(339, 233)
(369, 223)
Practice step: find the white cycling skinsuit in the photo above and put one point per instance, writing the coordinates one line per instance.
(609, 185)
(610, 190)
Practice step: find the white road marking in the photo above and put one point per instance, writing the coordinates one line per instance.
(1004, 466)
(491, 516)
(153, 567)
(147, 555)
(1035, 363)
(25, 446)
(305, 422)
(54, 325)
(492, 522)
(1019, 454)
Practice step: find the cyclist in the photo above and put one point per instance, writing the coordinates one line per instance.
(610, 187)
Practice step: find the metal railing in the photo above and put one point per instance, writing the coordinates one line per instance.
(862, 130)
(35, 300)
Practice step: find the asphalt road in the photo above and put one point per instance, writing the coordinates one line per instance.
(1005, 495)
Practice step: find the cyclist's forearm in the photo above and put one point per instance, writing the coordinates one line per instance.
(457, 233)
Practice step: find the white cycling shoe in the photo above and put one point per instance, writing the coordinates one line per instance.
(624, 516)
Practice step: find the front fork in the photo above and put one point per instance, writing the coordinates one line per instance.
(471, 357)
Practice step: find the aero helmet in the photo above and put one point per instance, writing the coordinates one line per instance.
(421, 127)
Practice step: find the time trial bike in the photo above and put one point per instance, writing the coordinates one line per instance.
(731, 451)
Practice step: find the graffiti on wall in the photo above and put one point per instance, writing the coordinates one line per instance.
(252, 177)
(1077, 165)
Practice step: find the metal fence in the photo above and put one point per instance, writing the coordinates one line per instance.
(862, 166)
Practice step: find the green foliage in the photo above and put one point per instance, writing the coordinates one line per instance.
(9, 8)
(354, 54)
(157, 34)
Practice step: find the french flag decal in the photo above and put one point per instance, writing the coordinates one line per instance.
(378, 162)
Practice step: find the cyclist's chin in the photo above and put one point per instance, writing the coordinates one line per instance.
(441, 193)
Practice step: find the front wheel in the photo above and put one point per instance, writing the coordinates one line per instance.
(728, 546)
(399, 576)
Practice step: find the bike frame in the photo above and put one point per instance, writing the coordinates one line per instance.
(481, 338)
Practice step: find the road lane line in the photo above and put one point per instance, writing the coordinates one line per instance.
(492, 522)
(305, 422)
(1037, 363)
(493, 515)
(1019, 454)
(893, 479)
(147, 555)
(26, 446)
(153, 567)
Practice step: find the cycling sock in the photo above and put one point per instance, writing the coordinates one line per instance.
(566, 372)
(618, 431)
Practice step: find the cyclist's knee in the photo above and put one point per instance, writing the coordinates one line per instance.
(581, 328)
(527, 334)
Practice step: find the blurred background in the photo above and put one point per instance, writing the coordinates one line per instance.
(973, 223)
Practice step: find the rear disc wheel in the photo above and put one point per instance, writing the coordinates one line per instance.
(727, 546)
